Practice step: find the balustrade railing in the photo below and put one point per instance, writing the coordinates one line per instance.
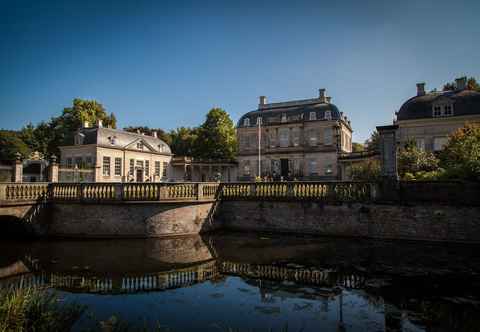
(316, 191)
(154, 192)
(23, 191)
(99, 192)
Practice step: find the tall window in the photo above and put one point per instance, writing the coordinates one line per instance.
(78, 162)
(140, 164)
(246, 167)
(106, 166)
(328, 169)
(157, 168)
(147, 168)
(284, 117)
(312, 137)
(296, 136)
(164, 170)
(328, 115)
(328, 136)
(89, 161)
(118, 166)
(284, 137)
(312, 166)
(259, 120)
(246, 122)
(132, 167)
(437, 111)
(313, 116)
(439, 143)
(420, 143)
(448, 111)
(69, 162)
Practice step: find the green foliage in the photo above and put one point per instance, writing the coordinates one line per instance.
(164, 136)
(184, 141)
(461, 156)
(11, 144)
(358, 147)
(373, 143)
(33, 309)
(471, 85)
(216, 136)
(413, 160)
(368, 170)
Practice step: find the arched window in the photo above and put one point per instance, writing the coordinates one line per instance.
(246, 122)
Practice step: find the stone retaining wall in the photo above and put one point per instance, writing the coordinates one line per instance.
(130, 219)
(421, 222)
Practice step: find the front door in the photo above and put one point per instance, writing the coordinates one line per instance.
(139, 175)
(284, 168)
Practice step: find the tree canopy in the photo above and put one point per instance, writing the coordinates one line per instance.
(461, 156)
(162, 134)
(11, 144)
(216, 136)
(471, 85)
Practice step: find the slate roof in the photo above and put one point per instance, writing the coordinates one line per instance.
(465, 102)
(296, 110)
(102, 137)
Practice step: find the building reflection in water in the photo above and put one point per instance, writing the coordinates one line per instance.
(311, 269)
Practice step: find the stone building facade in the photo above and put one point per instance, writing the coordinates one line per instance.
(113, 155)
(299, 140)
(428, 118)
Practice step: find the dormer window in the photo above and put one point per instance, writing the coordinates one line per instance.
(313, 116)
(284, 117)
(140, 145)
(259, 121)
(328, 115)
(113, 140)
(246, 122)
(162, 147)
(443, 109)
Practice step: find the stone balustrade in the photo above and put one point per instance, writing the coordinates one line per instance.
(108, 192)
(295, 191)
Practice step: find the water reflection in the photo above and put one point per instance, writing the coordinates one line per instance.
(311, 283)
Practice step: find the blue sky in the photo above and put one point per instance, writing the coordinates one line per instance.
(166, 63)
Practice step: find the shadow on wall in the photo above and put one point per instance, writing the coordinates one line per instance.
(12, 227)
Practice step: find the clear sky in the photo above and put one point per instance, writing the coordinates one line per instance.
(166, 63)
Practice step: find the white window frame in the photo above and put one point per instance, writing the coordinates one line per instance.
(328, 115)
(284, 117)
(259, 120)
(106, 166)
(117, 166)
(313, 116)
(246, 122)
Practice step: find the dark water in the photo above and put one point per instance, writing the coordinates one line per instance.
(257, 282)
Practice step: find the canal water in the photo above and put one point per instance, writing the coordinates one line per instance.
(256, 282)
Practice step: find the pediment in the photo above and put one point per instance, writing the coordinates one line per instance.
(133, 145)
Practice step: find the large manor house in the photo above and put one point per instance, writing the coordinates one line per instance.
(293, 140)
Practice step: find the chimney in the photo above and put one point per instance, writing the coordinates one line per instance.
(461, 83)
(328, 99)
(85, 124)
(99, 123)
(421, 89)
(154, 134)
(262, 101)
(321, 95)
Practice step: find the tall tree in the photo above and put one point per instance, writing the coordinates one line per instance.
(373, 143)
(11, 144)
(184, 141)
(216, 136)
(358, 147)
(461, 155)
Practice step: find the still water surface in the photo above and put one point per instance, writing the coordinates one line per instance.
(257, 282)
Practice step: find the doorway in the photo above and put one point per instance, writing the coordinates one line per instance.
(139, 175)
(284, 168)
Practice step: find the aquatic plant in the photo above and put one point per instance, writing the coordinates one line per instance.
(35, 309)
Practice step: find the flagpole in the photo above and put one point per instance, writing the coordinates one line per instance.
(259, 147)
